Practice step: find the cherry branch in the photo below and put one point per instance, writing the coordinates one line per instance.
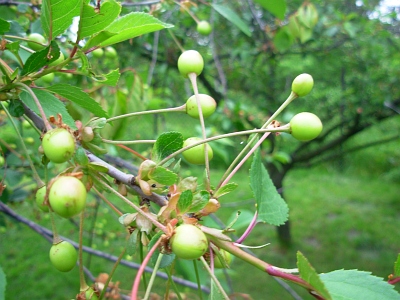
(48, 234)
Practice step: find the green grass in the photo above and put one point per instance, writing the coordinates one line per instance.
(339, 220)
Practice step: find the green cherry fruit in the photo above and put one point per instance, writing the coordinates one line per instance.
(190, 61)
(67, 196)
(2, 161)
(41, 192)
(305, 126)
(207, 103)
(98, 53)
(195, 155)
(110, 52)
(227, 256)
(302, 84)
(189, 242)
(90, 294)
(204, 28)
(48, 78)
(59, 60)
(58, 145)
(63, 256)
(38, 38)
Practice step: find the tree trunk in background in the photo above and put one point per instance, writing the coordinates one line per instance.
(277, 176)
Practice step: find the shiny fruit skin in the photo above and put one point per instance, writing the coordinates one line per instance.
(59, 60)
(204, 28)
(189, 242)
(110, 52)
(58, 145)
(195, 155)
(207, 103)
(40, 194)
(302, 84)
(36, 37)
(67, 196)
(48, 78)
(63, 256)
(305, 126)
(98, 53)
(190, 61)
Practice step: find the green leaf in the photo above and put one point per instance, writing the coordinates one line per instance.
(397, 267)
(276, 7)
(16, 108)
(81, 157)
(40, 58)
(166, 144)
(92, 21)
(215, 293)
(270, 205)
(51, 105)
(110, 79)
(4, 26)
(76, 95)
(163, 176)
(308, 274)
(167, 259)
(227, 188)
(199, 201)
(132, 243)
(357, 285)
(3, 283)
(232, 17)
(57, 15)
(127, 27)
(98, 166)
(185, 200)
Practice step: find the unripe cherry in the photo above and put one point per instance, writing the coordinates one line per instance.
(305, 126)
(67, 196)
(36, 37)
(190, 61)
(39, 197)
(189, 242)
(207, 103)
(204, 28)
(58, 145)
(302, 84)
(195, 155)
(227, 256)
(63, 256)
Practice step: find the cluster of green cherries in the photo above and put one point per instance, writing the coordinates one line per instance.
(66, 194)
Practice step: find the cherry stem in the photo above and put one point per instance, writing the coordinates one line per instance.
(137, 208)
(82, 280)
(128, 142)
(181, 108)
(222, 136)
(176, 40)
(39, 182)
(249, 229)
(196, 270)
(192, 77)
(258, 263)
(394, 281)
(40, 108)
(112, 273)
(153, 276)
(214, 278)
(291, 97)
(136, 283)
(188, 11)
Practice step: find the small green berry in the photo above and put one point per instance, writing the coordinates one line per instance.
(302, 84)
(195, 155)
(204, 28)
(189, 242)
(40, 198)
(58, 145)
(305, 126)
(38, 38)
(63, 256)
(190, 61)
(97, 53)
(207, 104)
(59, 60)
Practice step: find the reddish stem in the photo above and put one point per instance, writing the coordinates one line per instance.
(394, 281)
(136, 283)
(249, 229)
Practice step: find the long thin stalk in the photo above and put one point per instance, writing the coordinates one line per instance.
(153, 276)
(146, 112)
(39, 182)
(116, 264)
(214, 278)
(136, 283)
(83, 284)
